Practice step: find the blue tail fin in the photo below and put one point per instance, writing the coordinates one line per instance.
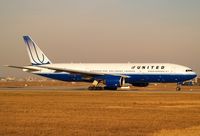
(37, 57)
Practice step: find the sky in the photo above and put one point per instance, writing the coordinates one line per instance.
(164, 31)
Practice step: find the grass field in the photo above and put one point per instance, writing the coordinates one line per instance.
(102, 113)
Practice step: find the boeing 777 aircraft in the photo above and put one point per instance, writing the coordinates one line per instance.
(107, 76)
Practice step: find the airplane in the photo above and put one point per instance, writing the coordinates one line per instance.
(108, 76)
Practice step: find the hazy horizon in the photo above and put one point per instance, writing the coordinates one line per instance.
(166, 31)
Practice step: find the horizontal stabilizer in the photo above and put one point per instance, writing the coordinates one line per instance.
(24, 68)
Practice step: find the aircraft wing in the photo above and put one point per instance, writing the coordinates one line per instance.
(72, 71)
(84, 73)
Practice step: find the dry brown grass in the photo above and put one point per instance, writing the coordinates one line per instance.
(191, 131)
(38, 83)
(57, 113)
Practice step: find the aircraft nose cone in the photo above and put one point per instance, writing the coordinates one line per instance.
(195, 74)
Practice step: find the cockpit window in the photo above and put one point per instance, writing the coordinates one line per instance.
(188, 70)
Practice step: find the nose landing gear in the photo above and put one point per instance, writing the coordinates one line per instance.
(178, 88)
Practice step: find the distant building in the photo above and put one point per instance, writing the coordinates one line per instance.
(10, 78)
(2, 79)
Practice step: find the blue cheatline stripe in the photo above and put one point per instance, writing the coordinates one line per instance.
(150, 78)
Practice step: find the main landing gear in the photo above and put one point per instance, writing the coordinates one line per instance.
(95, 86)
(178, 88)
(101, 88)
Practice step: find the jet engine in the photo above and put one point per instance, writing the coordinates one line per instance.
(112, 82)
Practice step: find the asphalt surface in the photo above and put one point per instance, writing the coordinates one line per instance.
(84, 89)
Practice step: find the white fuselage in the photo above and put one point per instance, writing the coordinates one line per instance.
(124, 68)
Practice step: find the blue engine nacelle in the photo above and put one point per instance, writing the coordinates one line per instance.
(112, 82)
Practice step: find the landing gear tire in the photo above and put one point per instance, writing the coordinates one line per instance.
(178, 88)
(90, 88)
(95, 88)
